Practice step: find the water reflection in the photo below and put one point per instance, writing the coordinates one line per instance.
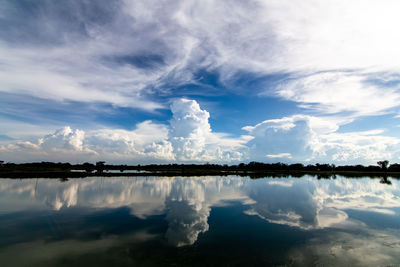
(306, 204)
(385, 180)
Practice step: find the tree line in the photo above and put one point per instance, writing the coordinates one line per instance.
(101, 166)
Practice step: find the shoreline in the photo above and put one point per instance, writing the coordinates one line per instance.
(194, 173)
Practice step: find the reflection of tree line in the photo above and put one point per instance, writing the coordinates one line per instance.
(252, 169)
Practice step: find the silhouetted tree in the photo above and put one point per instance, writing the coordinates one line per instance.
(394, 167)
(383, 164)
(100, 166)
(88, 167)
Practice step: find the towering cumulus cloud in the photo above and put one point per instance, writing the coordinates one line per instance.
(189, 129)
(192, 138)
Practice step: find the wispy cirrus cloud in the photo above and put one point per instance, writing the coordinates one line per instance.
(121, 52)
(334, 58)
(357, 93)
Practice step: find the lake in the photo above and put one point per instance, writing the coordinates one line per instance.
(200, 221)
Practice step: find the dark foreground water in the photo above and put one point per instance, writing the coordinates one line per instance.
(199, 221)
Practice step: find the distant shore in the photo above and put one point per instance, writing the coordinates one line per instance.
(252, 169)
(319, 174)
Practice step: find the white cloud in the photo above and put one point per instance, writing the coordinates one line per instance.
(138, 45)
(67, 75)
(357, 146)
(192, 138)
(189, 128)
(291, 134)
(64, 139)
(333, 92)
(335, 34)
(147, 141)
(337, 55)
(309, 138)
(280, 155)
(188, 138)
(65, 144)
(115, 145)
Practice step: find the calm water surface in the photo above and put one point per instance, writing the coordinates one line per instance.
(199, 221)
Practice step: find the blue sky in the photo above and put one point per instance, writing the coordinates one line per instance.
(200, 81)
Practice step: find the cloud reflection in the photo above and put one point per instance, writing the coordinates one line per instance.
(305, 203)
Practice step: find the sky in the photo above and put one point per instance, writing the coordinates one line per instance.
(219, 81)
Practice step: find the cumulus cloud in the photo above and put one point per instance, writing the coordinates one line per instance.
(76, 145)
(188, 137)
(148, 140)
(310, 138)
(281, 135)
(354, 147)
(64, 144)
(64, 139)
(193, 139)
(189, 128)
